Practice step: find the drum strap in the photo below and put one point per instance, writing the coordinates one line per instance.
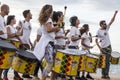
(2, 38)
(73, 47)
(107, 49)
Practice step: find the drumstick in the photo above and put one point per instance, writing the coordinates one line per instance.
(64, 12)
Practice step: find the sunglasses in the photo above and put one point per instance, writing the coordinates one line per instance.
(104, 23)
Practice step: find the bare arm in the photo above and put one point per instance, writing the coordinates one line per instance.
(9, 33)
(1, 32)
(82, 42)
(113, 18)
(90, 37)
(37, 39)
(73, 38)
(31, 43)
(66, 32)
(97, 43)
(49, 28)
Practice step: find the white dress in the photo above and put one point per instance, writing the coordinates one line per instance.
(39, 50)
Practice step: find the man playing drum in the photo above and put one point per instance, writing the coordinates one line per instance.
(105, 47)
(3, 32)
(26, 26)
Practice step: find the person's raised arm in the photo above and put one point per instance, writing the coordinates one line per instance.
(113, 18)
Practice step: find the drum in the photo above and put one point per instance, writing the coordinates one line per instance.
(82, 62)
(101, 61)
(115, 56)
(7, 51)
(91, 63)
(67, 62)
(15, 43)
(44, 63)
(24, 62)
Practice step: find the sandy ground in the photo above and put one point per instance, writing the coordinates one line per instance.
(96, 76)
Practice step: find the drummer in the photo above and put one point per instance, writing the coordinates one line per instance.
(38, 65)
(86, 39)
(26, 26)
(45, 47)
(105, 46)
(39, 34)
(60, 35)
(3, 33)
(13, 34)
(74, 34)
(60, 38)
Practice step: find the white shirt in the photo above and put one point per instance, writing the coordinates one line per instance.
(39, 50)
(103, 35)
(3, 27)
(51, 35)
(13, 30)
(68, 39)
(86, 41)
(26, 26)
(74, 32)
(60, 41)
(39, 31)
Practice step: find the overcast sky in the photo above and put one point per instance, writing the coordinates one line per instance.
(88, 11)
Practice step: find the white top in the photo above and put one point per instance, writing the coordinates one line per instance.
(39, 50)
(39, 31)
(86, 41)
(74, 32)
(26, 26)
(68, 39)
(103, 35)
(3, 27)
(60, 41)
(13, 30)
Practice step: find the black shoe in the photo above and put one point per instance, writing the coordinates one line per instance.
(89, 77)
(17, 78)
(107, 77)
(71, 78)
(63, 77)
(103, 77)
(83, 78)
(77, 78)
(26, 76)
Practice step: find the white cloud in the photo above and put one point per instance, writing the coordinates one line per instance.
(105, 4)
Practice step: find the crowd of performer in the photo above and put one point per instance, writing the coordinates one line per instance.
(51, 35)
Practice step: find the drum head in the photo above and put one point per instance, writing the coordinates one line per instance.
(73, 52)
(91, 55)
(28, 56)
(7, 46)
(115, 54)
